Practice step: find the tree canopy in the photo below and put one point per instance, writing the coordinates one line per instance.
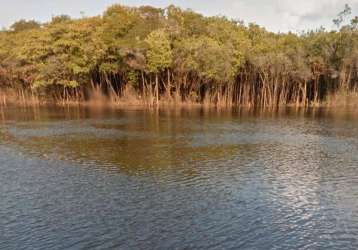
(180, 52)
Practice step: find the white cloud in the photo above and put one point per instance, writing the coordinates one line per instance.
(312, 14)
(278, 15)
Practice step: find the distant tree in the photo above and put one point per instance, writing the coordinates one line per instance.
(60, 18)
(22, 25)
(342, 16)
(159, 55)
(354, 22)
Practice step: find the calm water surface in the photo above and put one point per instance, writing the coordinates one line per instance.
(81, 179)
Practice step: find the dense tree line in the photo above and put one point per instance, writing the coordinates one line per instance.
(175, 55)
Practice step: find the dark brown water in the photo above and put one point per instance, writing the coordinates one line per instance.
(81, 179)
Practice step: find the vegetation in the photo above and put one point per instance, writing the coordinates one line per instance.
(172, 55)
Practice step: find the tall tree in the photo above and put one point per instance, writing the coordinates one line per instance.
(159, 55)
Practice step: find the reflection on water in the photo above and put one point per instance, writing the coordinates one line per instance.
(183, 179)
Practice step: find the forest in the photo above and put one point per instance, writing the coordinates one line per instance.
(152, 56)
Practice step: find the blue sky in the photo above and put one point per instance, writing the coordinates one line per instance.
(275, 15)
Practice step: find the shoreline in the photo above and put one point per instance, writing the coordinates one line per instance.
(27, 99)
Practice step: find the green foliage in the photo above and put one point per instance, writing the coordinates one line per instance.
(159, 54)
(207, 57)
(133, 78)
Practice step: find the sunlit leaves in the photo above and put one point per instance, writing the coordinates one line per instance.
(159, 54)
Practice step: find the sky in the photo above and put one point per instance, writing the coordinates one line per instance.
(275, 15)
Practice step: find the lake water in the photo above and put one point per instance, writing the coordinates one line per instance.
(178, 179)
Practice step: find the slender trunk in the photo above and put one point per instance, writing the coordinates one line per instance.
(157, 87)
(143, 85)
(169, 85)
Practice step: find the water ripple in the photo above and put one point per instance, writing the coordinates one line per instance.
(136, 180)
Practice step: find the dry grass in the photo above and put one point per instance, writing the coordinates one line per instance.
(342, 99)
(131, 99)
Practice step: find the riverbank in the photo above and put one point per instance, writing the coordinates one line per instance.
(26, 98)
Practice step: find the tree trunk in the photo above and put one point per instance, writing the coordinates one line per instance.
(157, 87)
(169, 86)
